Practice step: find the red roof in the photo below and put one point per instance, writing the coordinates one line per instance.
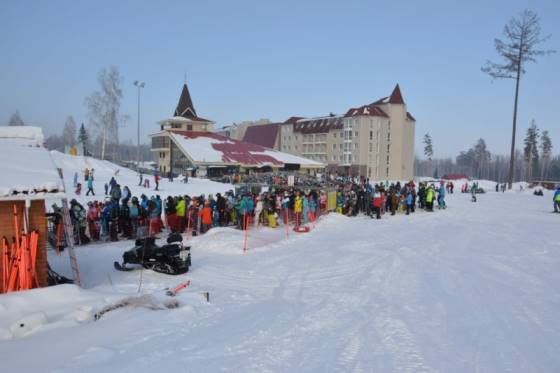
(454, 176)
(318, 125)
(292, 120)
(396, 96)
(232, 151)
(368, 110)
(264, 135)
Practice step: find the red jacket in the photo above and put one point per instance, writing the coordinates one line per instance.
(206, 215)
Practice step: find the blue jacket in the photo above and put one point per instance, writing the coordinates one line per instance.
(557, 195)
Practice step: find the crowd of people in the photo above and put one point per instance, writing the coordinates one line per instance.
(124, 216)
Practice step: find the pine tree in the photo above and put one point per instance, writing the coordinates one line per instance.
(83, 139)
(546, 152)
(428, 148)
(15, 120)
(531, 150)
(522, 36)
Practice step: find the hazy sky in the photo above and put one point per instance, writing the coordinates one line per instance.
(246, 60)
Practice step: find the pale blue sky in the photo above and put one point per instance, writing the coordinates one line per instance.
(247, 60)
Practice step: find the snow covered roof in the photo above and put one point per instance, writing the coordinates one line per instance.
(26, 168)
(212, 148)
(25, 134)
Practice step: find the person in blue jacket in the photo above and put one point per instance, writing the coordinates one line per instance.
(441, 197)
(556, 199)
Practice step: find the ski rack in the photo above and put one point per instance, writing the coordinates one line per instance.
(69, 231)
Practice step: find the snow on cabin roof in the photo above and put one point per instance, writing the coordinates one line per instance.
(30, 135)
(27, 167)
(210, 147)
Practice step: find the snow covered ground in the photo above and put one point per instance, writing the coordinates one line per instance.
(473, 288)
(104, 170)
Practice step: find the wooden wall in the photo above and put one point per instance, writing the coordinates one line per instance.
(37, 220)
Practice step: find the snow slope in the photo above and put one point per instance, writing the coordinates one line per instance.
(104, 170)
(473, 288)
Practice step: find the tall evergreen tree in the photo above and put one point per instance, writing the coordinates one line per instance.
(428, 148)
(531, 150)
(546, 152)
(521, 37)
(83, 139)
(15, 120)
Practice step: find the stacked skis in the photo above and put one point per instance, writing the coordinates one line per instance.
(19, 259)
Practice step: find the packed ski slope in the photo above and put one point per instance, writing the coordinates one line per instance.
(473, 288)
(104, 170)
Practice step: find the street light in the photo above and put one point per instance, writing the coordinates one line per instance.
(139, 85)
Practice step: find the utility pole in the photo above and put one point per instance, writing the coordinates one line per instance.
(139, 85)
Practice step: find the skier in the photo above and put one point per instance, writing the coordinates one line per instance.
(106, 186)
(441, 197)
(141, 177)
(156, 180)
(430, 195)
(473, 192)
(75, 179)
(409, 202)
(298, 208)
(90, 186)
(205, 215)
(557, 199)
(79, 188)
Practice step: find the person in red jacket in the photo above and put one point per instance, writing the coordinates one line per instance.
(205, 215)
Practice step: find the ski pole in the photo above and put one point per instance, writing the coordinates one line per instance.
(246, 228)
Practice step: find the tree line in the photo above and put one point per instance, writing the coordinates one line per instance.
(534, 162)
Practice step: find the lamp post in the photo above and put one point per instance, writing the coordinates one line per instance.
(139, 85)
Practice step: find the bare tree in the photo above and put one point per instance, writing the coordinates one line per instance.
(103, 107)
(15, 120)
(522, 35)
(69, 132)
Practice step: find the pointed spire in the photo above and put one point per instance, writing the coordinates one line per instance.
(396, 96)
(185, 107)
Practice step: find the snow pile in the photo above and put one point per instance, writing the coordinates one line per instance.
(470, 288)
(27, 166)
(104, 170)
(33, 135)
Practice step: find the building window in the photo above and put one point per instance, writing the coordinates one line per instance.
(296, 147)
(333, 146)
(371, 135)
(189, 127)
(334, 134)
(296, 137)
(355, 145)
(356, 133)
(370, 147)
(340, 158)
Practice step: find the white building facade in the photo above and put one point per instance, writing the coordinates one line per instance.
(374, 141)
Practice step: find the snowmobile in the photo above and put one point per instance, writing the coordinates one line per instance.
(171, 259)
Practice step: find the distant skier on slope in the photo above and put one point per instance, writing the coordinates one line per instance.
(556, 199)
